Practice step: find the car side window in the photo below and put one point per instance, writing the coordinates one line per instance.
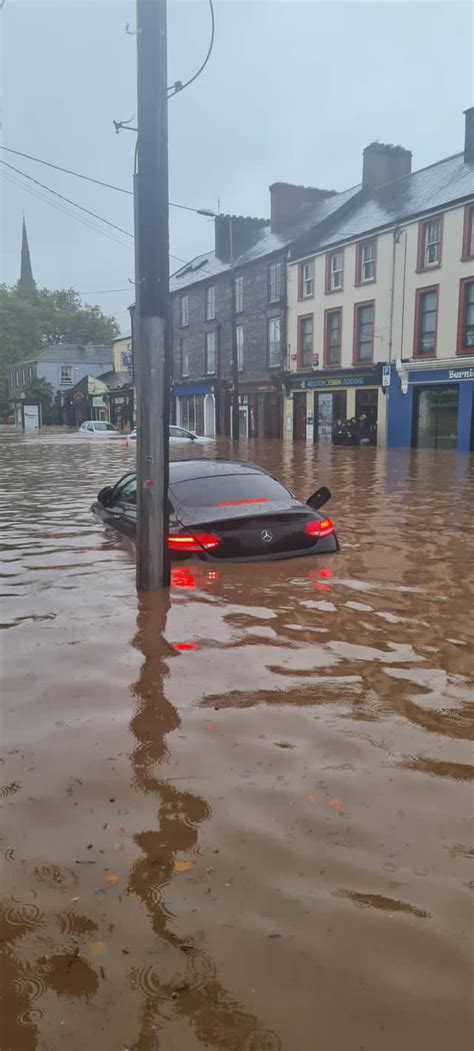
(179, 432)
(126, 493)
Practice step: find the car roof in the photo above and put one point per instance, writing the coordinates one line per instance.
(183, 470)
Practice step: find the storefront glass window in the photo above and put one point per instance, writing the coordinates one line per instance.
(436, 417)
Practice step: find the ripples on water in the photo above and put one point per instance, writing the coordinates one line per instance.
(238, 818)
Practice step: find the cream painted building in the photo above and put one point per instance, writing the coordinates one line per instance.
(381, 306)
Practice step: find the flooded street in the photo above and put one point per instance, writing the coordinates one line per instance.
(238, 816)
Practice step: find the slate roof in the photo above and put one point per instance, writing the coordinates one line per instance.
(421, 193)
(353, 213)
(73, 353)
(207, 265)
(116, 379)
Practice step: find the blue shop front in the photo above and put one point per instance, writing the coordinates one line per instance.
(431, 407)
(194, 407)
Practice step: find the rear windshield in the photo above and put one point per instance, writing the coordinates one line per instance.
(228, 490)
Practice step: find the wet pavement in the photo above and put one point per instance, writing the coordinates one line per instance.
(239, 816)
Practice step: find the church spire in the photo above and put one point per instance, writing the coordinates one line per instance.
(26, 273)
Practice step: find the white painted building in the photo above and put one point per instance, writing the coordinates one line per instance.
(390, 278)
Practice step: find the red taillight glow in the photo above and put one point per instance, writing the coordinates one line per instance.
(240, 503)
(319, 528)
(198, 542)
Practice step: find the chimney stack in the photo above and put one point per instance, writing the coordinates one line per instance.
(245, 232)
(287, 201)
(383, 164)
(469, 136)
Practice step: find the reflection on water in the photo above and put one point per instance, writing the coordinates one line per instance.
(238, 816)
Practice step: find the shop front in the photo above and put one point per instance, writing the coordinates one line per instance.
(432, 407)
(315, 402)
(260, 410)
(195, 408)
(121, 402)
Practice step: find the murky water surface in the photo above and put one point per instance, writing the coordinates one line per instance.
(238, 817)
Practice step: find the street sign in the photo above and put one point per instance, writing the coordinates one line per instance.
(386, 376)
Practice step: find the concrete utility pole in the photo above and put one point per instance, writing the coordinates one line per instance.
(235, 360)
(152, 355)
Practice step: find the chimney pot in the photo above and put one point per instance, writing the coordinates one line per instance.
(469, 136)
(383, 163)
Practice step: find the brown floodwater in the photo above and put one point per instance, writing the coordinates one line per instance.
(238, 816)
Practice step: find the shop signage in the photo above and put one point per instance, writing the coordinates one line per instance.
(442, 376)
(332, 382)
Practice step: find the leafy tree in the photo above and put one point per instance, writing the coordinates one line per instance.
(39, 392)
(32, 319)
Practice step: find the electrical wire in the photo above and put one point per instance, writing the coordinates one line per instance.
(87, 178)
(178, 86)
(83, 219)
(67, 199)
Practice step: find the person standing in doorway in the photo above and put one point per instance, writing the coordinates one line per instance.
(363, 430)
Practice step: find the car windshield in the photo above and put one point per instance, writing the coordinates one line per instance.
(100, 425)
(228, 490)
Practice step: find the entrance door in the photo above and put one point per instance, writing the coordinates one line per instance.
(366, 405)
(299, 415)
(436, 417)
(209, 416)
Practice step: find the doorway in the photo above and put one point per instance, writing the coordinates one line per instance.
(327, 409)
(436, 417)
(367, 405)
(299, 415)
(209, 416)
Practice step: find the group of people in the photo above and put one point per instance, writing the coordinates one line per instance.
(355, 431)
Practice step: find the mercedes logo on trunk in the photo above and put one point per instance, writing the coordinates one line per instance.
(266, 536)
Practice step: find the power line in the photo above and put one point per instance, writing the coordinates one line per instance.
(87, 178)
(87, 211)
(178, 86)
(67, 199)
(104, 291)
(60, 206)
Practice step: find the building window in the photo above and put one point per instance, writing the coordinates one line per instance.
(363, 332)
(210, 302)
(184, 311)
(332, 337)
(429, 243)
(365, 262)
(334, 271)
(239, 294)
(426, 322)
(239, 339)
(306, 280)
(305, 341)
(465, 342)
(184, 357)
(468, 233)
(210, 353)
(274, 342)
(66, 374)
(274, 282)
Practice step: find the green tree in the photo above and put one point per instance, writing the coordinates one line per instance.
(39, 392)
(34, 318)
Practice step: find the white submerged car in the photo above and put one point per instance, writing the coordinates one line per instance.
(98, 429)
(178, 436)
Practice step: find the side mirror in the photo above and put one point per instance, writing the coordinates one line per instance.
(105, 495)
(192, 437)
(320, 497)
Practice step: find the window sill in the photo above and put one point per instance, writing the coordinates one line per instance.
(467, 258)
(331, 365)
(305, 299)
(427, 269)
(361, 362)
(333, 291)
(462, 351)
(362, 284)
(424, 357)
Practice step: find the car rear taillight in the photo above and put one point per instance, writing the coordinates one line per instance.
(319, 528)
(192, 544)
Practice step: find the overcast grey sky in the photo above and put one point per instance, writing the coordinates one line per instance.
(294, 91)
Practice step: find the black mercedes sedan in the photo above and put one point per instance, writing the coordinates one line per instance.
(227, 510)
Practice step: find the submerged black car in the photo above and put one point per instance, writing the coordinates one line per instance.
(227, 509)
